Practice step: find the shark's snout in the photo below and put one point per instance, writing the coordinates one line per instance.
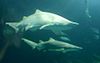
(78, 48)
(70, 25)
(73, 49)
(73, 24)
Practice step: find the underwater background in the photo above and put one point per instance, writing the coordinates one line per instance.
(86, 35)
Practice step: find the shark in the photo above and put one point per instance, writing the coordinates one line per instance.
(52, 45)
(43, 21)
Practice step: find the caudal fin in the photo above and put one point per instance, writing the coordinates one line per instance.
(30, 43)
(13, 25)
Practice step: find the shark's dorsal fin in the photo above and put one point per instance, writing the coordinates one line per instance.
(40, 41)
(38, 11)
(24, 17)
(51, 39)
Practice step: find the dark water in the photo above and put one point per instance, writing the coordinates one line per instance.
(82, 35)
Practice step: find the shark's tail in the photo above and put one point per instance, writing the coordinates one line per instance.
(13, 25)
(30, 43)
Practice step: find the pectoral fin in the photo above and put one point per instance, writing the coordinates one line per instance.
(42, 27)
(28, 27)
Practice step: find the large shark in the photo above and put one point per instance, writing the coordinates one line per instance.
(44, 20)
(52, 45)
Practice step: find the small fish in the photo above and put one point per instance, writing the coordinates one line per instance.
(96, 33)
(95, 30)
(44, 20)
(65, 38)
(87, 10)
(97, 37)
(52, 45)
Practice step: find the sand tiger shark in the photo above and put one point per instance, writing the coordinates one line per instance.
(52, 45)
(44, 20)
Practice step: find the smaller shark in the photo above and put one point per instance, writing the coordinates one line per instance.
(52, 45)
(44, 20)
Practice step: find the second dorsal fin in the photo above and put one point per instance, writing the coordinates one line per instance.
(40, 41)
(38, 11)
(51, 39)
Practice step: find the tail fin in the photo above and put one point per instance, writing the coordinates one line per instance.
(13, 25)
(30, 43)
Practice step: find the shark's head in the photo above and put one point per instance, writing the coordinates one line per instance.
(71, 48)
(65, 23)
(55, 21)
(64, 46)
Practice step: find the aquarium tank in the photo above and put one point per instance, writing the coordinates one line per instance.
(49, 31)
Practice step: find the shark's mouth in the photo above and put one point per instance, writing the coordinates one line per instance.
(63, 27)
(71, 50)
